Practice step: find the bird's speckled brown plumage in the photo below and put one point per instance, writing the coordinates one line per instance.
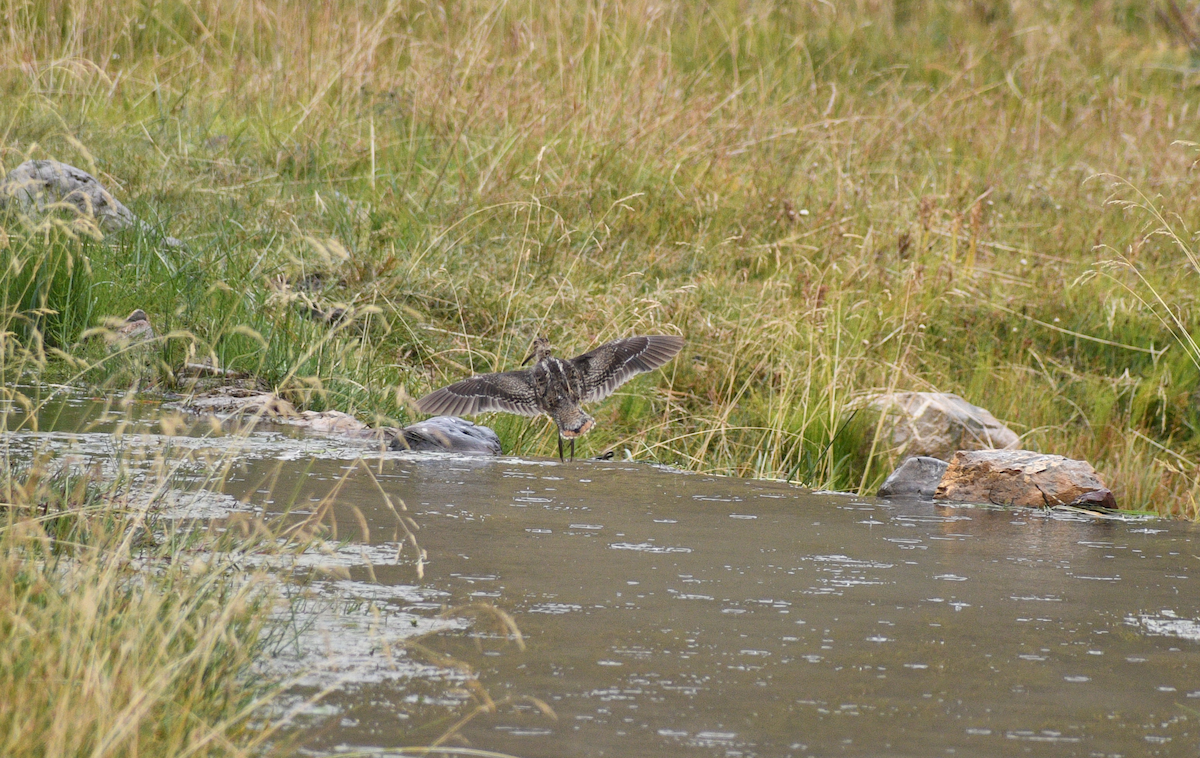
(555, 386)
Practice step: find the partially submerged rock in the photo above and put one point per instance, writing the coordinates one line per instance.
(441, 433)
(918, 476)
(332, 422)
(208, 368)
(36, 187)
(937, 424)
(1022, 477)
(449, 434)
(238, 402)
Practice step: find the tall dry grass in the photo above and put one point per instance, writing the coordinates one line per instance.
(122, 636)
(827, 199)
(128, 627)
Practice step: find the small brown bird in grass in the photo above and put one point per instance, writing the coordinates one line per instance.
(135, 327)
(555, 386)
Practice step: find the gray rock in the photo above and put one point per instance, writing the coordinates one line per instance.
(918, 476)
(937, 424)
(36, 187)
(1022, 477)
(448, 434)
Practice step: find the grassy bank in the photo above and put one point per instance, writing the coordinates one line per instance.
(826, 199)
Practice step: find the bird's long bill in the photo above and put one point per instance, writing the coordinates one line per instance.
(527, 360)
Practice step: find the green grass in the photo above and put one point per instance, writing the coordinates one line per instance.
(826, 199)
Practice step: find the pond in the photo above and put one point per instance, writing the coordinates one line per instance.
(667, 613)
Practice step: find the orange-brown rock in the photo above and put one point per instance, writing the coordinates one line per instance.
(1021, 477)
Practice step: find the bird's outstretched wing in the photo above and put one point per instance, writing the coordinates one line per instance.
(511, 392)
(614, 363)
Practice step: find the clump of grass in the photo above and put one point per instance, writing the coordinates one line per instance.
(827, 200)
(116, 643)
(125, 632)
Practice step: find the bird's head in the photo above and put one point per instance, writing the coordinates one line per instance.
(541, 350)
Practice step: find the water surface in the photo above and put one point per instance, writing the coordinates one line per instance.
(677, 614)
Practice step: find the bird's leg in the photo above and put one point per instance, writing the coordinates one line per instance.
(572, 448)
(560, 452)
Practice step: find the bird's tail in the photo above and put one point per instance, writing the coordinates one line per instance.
(573, 422)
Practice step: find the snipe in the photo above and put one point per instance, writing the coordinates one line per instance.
(555, 386)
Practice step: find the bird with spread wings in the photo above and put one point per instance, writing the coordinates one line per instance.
(555, 386)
